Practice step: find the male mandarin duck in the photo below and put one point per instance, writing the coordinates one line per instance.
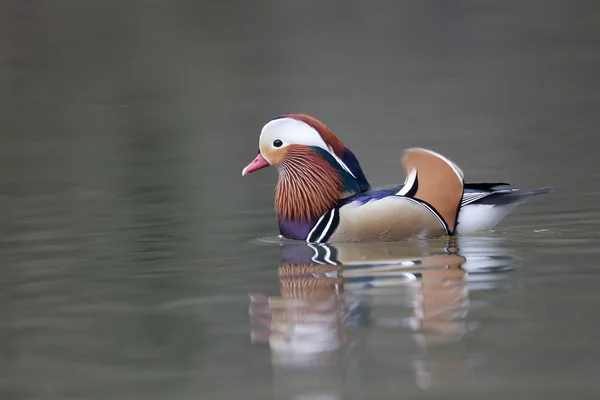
(322, 194)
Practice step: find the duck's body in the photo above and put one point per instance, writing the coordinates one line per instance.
(390, 217)
(323, 196)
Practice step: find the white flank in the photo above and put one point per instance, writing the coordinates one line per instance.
(480, 217)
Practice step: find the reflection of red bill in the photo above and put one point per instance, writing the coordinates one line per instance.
(260, 335)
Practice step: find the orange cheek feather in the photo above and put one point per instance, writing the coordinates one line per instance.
(274, 156)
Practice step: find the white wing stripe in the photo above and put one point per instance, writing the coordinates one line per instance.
(410, 182)
(339, 160)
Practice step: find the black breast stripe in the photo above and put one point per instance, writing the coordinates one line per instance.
(332, 227)
(324, 227)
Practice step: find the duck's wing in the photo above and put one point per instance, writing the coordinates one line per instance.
(494, 194)
(475, 192)
(484, 186)
(436, 182)
(491, 193)
(432, 202)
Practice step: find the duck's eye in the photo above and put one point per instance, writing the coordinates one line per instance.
(277, 143)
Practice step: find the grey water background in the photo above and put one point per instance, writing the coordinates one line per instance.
(129, 240)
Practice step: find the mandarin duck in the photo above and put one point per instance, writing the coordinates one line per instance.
(323, 196)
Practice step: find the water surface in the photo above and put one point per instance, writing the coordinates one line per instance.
(134, 259)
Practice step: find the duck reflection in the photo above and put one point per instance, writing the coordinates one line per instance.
(332, 293)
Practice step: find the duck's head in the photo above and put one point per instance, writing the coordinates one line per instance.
(315, 169)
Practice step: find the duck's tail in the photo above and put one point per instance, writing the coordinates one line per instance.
(498, 197)
(484, 208)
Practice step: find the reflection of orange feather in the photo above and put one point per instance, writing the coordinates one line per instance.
(308, 185)
(305, 300)
(313, 289)
(295, 270)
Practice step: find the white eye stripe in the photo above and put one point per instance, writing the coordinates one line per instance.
(292, 131)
